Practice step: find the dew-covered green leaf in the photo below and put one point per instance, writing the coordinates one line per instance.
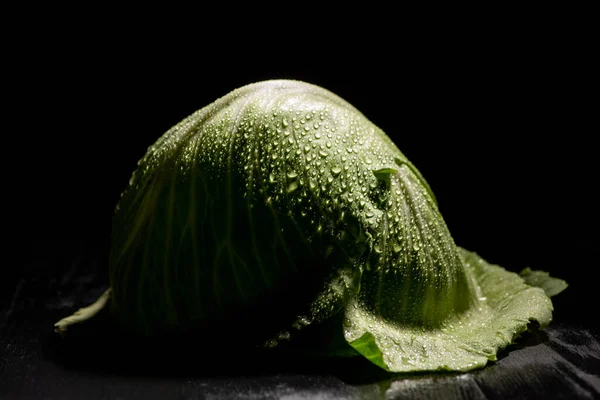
(504, 307)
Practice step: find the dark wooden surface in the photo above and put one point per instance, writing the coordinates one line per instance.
(97, 363)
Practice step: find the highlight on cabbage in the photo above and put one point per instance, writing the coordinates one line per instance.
(280, 208)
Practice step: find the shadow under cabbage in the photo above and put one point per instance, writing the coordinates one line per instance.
(100, 346)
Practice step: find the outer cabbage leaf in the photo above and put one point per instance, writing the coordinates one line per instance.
(552, 286)
(505, 307)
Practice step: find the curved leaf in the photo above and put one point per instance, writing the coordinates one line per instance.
(505, 307)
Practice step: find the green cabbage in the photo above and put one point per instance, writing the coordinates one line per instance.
(280, 207)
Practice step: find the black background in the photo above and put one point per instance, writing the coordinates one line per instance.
(499, 118)
(500, 124)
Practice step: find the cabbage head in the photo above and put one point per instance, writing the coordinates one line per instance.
(280, 208)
